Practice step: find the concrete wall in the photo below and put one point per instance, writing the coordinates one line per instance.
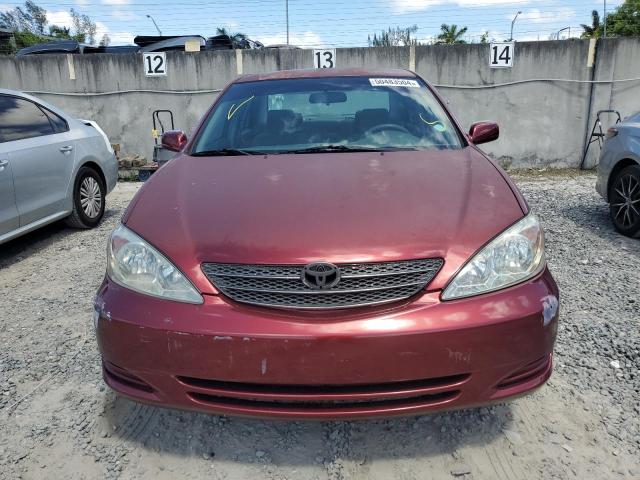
(543, 123)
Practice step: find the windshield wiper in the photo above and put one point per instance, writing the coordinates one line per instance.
(225, 152)
(344, 148)
(334, 148)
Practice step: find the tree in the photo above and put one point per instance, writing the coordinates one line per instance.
(38, 16)
(84, 27)
(595, 30)
(394, 37)
(235, 37)
(484, 38)
(29, 23)
(30, 19)
(624, 21)
(105, 41)
(60, 32)
(13, 20)
(450, 34)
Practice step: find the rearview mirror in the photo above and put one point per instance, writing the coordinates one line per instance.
(174, 140)
(328, 97)
(483, 132)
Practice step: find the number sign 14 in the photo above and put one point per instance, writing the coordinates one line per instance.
(502, 55)
(155, 64)
(324, 58)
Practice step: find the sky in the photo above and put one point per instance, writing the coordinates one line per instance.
(327, 23)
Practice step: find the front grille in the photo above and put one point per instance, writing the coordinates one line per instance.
(360, 284)
(278, 397)
(307, 392)
(433, 399)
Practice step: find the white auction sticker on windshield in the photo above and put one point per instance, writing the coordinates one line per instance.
(394, 82)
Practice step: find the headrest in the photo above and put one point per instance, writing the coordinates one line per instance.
(282, 119)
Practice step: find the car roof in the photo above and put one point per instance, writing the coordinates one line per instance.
(18, 93)
(53, 108)
(633, 119)
(325, 72)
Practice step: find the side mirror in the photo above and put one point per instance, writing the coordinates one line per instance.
(174, 140)
(483, 132)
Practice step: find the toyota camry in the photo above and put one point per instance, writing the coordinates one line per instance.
(328, 244)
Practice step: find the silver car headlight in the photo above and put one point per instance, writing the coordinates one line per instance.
(515, 255)
(134, 264)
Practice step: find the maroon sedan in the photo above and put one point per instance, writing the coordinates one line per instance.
(329, 244)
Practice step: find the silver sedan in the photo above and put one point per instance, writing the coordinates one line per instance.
(52, 166)
(619, 175)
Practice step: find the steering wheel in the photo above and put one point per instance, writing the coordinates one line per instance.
(387, 126)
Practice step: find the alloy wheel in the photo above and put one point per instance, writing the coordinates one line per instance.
(90, 197)
(626, 201)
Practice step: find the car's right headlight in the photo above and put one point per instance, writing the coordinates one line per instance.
(514, 256)
(134, 264)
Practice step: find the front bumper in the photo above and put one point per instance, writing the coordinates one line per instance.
(422, 356)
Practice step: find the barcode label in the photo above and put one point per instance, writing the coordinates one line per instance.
(394, 82)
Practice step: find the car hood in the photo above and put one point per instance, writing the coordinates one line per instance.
(335, 207)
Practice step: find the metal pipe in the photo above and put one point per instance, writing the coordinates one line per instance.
(512, 23)
(154, 22)
(287, 14)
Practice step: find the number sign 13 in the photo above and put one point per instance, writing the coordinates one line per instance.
(155, 64)
(502, 55)
(324, 58)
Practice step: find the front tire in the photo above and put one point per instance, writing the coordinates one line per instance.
(624, 201)
(88, 199)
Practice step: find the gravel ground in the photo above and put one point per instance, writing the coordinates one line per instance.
(57, 419)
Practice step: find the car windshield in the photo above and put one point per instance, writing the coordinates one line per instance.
(326, 114)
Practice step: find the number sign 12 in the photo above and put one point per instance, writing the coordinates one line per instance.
(502, 55)
(324, 58)
(155, 64)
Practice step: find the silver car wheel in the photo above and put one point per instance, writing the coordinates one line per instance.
(90, 197)
(627, 201)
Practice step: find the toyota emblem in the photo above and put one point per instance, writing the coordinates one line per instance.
(320, 275)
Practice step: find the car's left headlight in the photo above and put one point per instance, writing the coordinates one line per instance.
(134, 264)
(514, 256)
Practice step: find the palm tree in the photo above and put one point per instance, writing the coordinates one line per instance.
(595, 30)
(235, 37)
(450, 34)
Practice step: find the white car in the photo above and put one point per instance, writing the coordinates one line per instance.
(52, 166)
